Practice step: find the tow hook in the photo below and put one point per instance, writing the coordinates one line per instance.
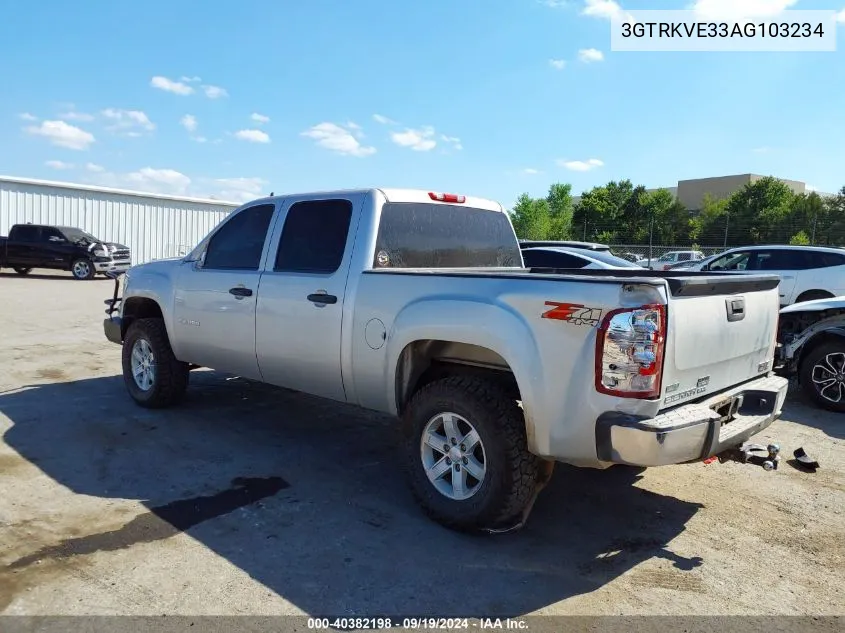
(749, 454)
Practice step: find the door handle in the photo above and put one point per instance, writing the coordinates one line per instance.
(321, 299)
(240, 292)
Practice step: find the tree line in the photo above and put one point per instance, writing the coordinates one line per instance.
(766, 211)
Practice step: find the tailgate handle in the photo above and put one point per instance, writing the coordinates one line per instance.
(736, 308)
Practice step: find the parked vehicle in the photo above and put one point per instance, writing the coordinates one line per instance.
(811, 348)
(806, 272)
(589, 246)
(417, 304)
(561, 257)
(32, 246)
(665, 261)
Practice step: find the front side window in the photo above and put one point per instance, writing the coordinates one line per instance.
(429, 235)
(732, 261)
(314, 237)
(237, 245)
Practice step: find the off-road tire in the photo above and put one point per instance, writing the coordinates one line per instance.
(23, 271)
(171, 375)
(91, 271)
(512, 471)
(805, 374)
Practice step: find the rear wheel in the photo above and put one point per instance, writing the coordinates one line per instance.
(23, 271)
(466, 454)
(822, 375)
(82, 269)
(152, 374)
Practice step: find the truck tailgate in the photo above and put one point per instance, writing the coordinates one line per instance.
(719, 334)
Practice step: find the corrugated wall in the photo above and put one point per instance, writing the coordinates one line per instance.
(153, 228)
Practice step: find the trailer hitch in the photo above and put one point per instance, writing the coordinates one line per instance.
(749, 454)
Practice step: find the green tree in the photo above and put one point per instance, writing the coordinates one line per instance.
(800, 239)
(559, 199)
(531, 218)
(708, 227)
(757, 212)
(598, 214)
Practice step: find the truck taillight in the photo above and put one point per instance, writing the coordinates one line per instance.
(629, 352)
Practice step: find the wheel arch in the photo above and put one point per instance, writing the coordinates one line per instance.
(135, 308)
(819, 339)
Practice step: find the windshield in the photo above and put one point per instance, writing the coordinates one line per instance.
(77, 235)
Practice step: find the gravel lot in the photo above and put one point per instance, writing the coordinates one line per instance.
(254, 500)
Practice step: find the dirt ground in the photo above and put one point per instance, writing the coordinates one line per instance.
(254, 500)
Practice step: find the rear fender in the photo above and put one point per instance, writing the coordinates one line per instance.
(495, 327)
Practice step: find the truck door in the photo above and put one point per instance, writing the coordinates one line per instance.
(22, 245)
(54, 250)
(301, 299)
(214, 303)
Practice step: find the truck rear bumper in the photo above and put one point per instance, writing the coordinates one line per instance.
(113, 330)
(691, 432)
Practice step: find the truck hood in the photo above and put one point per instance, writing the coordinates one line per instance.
(816, 305)
(111, 247)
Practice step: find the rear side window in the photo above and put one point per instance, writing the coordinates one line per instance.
(239, 242)
(423, 235)
(822, 259)
(551, 259)
(25, 233)
(783, 260)
(314, 237)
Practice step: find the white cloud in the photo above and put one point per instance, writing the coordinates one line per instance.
(590, 55)
(554, 4)
(159, 180)
(168, 85)
(581, 165)
(190, 80)
(421, 140)
(26, 116)
(94, 167)
(454, 141)
(811, 188)
(77, 116)
(530, 171)
(215, 92)
(253, 136)
(607, 9)
(128, 122)
(732, 9)
(189, 122)
(557, 64)
(58, 164)
(338, 139)
(259, 118)
(240, 189)
(840, 17)
(380, 118)
(62, 134)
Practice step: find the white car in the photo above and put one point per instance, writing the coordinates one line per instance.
(806, 272)
(565, 257)
(665, 261)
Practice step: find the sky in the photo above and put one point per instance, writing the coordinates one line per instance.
(492, 98)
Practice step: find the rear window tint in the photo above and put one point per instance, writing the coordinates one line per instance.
(422, 235)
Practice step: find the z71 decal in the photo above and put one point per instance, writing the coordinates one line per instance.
(574, 313)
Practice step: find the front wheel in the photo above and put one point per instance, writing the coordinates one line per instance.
(152, 374)
(82, 269)
(822, 375)
(23, 271)
(466, 454)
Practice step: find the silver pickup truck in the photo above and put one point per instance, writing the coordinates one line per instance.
(417, 304)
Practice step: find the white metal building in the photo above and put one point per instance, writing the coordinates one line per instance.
(153, 226)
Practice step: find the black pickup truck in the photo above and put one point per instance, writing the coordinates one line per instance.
(61, 248)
